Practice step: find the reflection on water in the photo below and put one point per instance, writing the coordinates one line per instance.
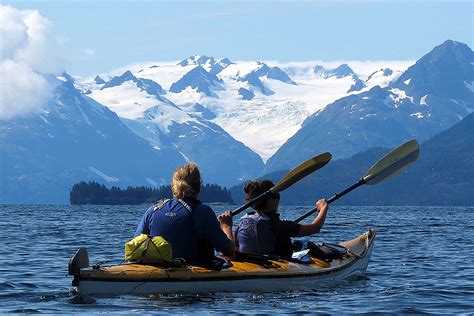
(421, 263)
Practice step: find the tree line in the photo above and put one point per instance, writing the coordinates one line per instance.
(95, 193)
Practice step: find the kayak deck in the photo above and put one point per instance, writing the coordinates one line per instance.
(280, 274)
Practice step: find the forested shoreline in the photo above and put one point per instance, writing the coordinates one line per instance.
(93, 193)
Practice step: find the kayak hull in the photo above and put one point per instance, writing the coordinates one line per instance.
(241, 277)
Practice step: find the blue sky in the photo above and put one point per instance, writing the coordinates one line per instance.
(98, 36)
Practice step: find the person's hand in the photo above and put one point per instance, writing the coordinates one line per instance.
(225, 219)
(322, 205)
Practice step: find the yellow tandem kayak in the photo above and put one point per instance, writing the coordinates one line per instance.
(266, 275)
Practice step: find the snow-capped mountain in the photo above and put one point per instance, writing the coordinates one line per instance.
(210, 64)
(200, 80)
(249, 98)
(447, 71)
(99, 80)
(383, 77)
(224, 114)
(189, 133)
(214, 116)
(431, 96)
(149, 86)
(340, 72)
(74, 138)
(253, 78)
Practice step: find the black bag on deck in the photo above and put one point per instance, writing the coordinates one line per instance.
(326, 252)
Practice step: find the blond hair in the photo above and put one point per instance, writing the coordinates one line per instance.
(186, 181)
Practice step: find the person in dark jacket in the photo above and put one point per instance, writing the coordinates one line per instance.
(192, 228)
(263, 232)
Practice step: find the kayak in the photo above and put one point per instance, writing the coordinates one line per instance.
(257, 274)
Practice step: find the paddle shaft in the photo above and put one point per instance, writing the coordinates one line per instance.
(295, 175)
(334, 198)
(259, 198)
(391, 164)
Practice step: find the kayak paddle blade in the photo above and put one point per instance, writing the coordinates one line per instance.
(303, 170)
(393, 163)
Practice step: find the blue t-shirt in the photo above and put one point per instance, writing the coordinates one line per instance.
(203, 228)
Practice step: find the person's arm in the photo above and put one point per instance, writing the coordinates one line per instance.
(225, 221)
(317, 224)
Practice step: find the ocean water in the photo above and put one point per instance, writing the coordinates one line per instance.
(422, 263)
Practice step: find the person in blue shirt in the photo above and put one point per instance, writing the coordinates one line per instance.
(263, 232)
(192, 228)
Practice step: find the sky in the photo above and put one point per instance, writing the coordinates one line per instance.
(100, 36)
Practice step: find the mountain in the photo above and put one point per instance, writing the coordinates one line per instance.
(448, 70)
(382, 77)
(271, 73)
(74, 138)
(357, 86)
(198, 140)
(431, 96)
(246, 94)
(221, 158)
(186, 131)
(339, 72)
(442, 175)
(201, 111)
(99, 80)
(210, 64)
(254, 81)
(201, 80)
(291, 92)
(149, 86)
(253, 78)
(381, 73)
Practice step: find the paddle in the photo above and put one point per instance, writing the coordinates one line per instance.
(295, 175)
(390, 165)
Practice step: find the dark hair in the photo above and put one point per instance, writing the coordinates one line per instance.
(254, 188)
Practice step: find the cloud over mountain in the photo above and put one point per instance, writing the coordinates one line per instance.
(28, 51)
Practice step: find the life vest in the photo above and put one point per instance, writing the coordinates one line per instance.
(255, 234)
(173, 220)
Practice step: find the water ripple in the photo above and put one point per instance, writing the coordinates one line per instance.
(420, 265)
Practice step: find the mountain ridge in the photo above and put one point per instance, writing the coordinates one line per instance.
(442, 175)
(389, 115)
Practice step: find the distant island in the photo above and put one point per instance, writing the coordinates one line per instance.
(93, 193)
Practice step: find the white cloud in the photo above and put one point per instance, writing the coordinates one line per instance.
(28, 53)
(23, 90)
